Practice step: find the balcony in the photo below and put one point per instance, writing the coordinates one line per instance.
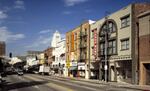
(83, 34)
(82, 46)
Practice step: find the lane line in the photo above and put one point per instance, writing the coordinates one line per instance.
(73, 84)
(55, 86)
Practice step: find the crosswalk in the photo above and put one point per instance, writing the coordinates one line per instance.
(50, 83)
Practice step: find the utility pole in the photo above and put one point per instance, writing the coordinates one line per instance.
(106, 50)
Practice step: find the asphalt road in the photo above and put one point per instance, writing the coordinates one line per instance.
(34, 82)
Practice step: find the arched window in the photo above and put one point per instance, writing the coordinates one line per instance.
(109, 27)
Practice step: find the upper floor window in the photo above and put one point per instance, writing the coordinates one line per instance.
(57, 36)
(102, 48)
(108, 26)
(112, 47)
(125, 21)
(125, 44)
(92, 36)
(75, 36)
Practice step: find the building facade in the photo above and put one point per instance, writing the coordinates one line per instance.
(144, 48)
(113, 50)
(59, 48)
(48, 55)
(77, 50)
(2, 48)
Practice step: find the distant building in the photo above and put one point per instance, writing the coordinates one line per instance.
(33, 53)
(55, 39)
(48, 55)
(58, 54)
(144, 48)
(2, 48)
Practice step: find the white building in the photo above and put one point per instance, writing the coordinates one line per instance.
(58, 44)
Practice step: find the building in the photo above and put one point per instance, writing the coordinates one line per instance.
(116, 34)
(33, 53)
(77, 50)
(48, 55)
(144, 48)
(2, 48)
(58, 54)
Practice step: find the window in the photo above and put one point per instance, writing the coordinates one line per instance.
(111, 27)
(75, 36)
(125, 21)
(57, 36)
(112, 47)
(92, 34)
(125, 44)
(93, 50)
(102, 48)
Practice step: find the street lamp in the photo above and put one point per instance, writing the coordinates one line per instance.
(106, 50)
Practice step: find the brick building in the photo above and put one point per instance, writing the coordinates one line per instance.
(48, 55)
(144, 48)
(2, 48)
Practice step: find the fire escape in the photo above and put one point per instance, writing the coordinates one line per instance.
(83, 46)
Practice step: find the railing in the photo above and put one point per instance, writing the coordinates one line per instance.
(83, 45)
(83, 34)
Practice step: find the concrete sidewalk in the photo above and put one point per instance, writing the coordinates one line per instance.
(115, 84)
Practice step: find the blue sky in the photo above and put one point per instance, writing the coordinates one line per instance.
(29, 24)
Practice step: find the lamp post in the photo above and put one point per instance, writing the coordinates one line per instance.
(106, 50)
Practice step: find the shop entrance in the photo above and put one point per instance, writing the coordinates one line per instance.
(147, 70)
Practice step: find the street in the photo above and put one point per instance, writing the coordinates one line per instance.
(35, 82)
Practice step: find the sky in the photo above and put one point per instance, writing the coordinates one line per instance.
(29, 24)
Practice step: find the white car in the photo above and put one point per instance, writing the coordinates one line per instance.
(20, 72)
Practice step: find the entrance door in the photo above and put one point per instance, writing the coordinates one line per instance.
(147, 66)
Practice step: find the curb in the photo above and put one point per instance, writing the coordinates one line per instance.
(114, 85)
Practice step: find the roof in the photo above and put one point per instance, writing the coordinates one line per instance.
(144, 14)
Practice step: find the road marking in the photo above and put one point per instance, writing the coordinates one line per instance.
(93, 89)
(33, 78)
(55, 86)
(59, 87)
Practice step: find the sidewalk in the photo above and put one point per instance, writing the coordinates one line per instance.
(115, 84)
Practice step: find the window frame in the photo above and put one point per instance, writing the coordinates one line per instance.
(125, 45)
(125, 21)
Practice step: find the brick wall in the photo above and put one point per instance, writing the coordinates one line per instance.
(2, 48)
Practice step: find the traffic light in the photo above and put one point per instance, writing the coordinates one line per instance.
(10, 55)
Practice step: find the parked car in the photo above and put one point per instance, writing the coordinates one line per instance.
(20, 72)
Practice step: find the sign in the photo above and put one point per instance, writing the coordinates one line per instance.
(73, 64)
(81, 64)
(68, 64)
(95, 42)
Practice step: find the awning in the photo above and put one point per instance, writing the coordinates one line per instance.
(73, 68)
(63, 54)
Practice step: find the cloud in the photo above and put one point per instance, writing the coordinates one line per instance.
(8, 36)
(67, 12)
(19, 4)
(3, 15)
(45, 31)
(74, 2)
(41, 41)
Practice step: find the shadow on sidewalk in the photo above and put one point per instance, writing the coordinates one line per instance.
(10, 86)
